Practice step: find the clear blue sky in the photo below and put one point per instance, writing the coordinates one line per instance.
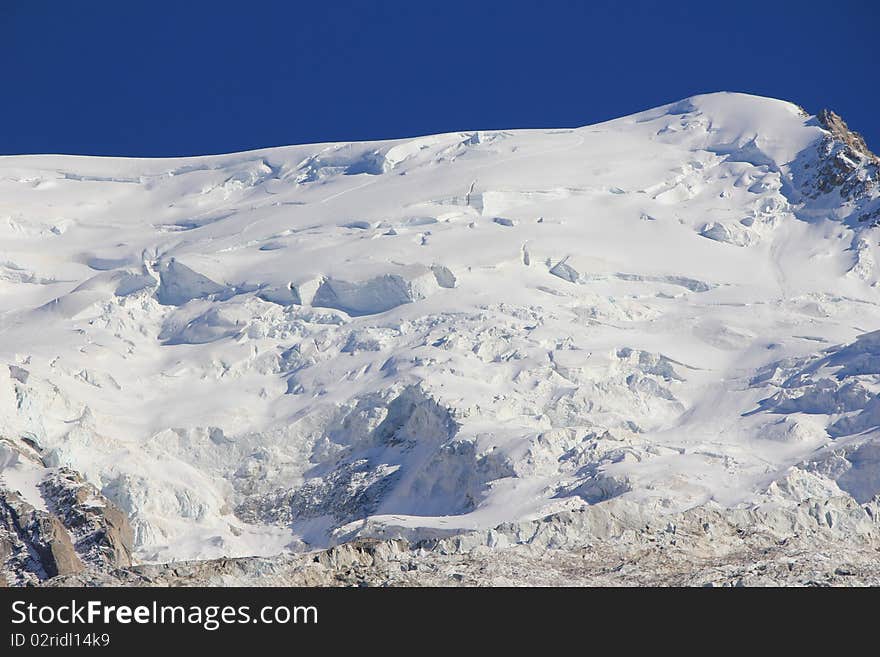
(154, 78)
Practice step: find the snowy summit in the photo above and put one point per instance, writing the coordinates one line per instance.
(286, 349)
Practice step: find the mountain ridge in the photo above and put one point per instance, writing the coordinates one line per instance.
(286, 348)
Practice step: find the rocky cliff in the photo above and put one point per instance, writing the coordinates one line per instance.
(75, 529)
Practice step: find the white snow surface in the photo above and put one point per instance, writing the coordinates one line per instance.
(278, 349)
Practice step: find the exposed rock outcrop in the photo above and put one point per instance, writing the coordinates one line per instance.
(101, 531)
(75, 527)
(34, 545)
(835, 124)
(846, 166)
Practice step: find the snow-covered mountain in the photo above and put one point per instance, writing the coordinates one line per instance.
(287, 348)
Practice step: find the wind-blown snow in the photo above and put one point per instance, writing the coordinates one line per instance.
(262, 350)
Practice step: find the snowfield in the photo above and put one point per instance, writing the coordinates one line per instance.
(285, 349)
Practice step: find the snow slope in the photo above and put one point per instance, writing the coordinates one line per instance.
(278, 349)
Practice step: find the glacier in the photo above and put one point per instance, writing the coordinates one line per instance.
(288, 349)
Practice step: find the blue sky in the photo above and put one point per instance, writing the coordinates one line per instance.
(156, 78)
